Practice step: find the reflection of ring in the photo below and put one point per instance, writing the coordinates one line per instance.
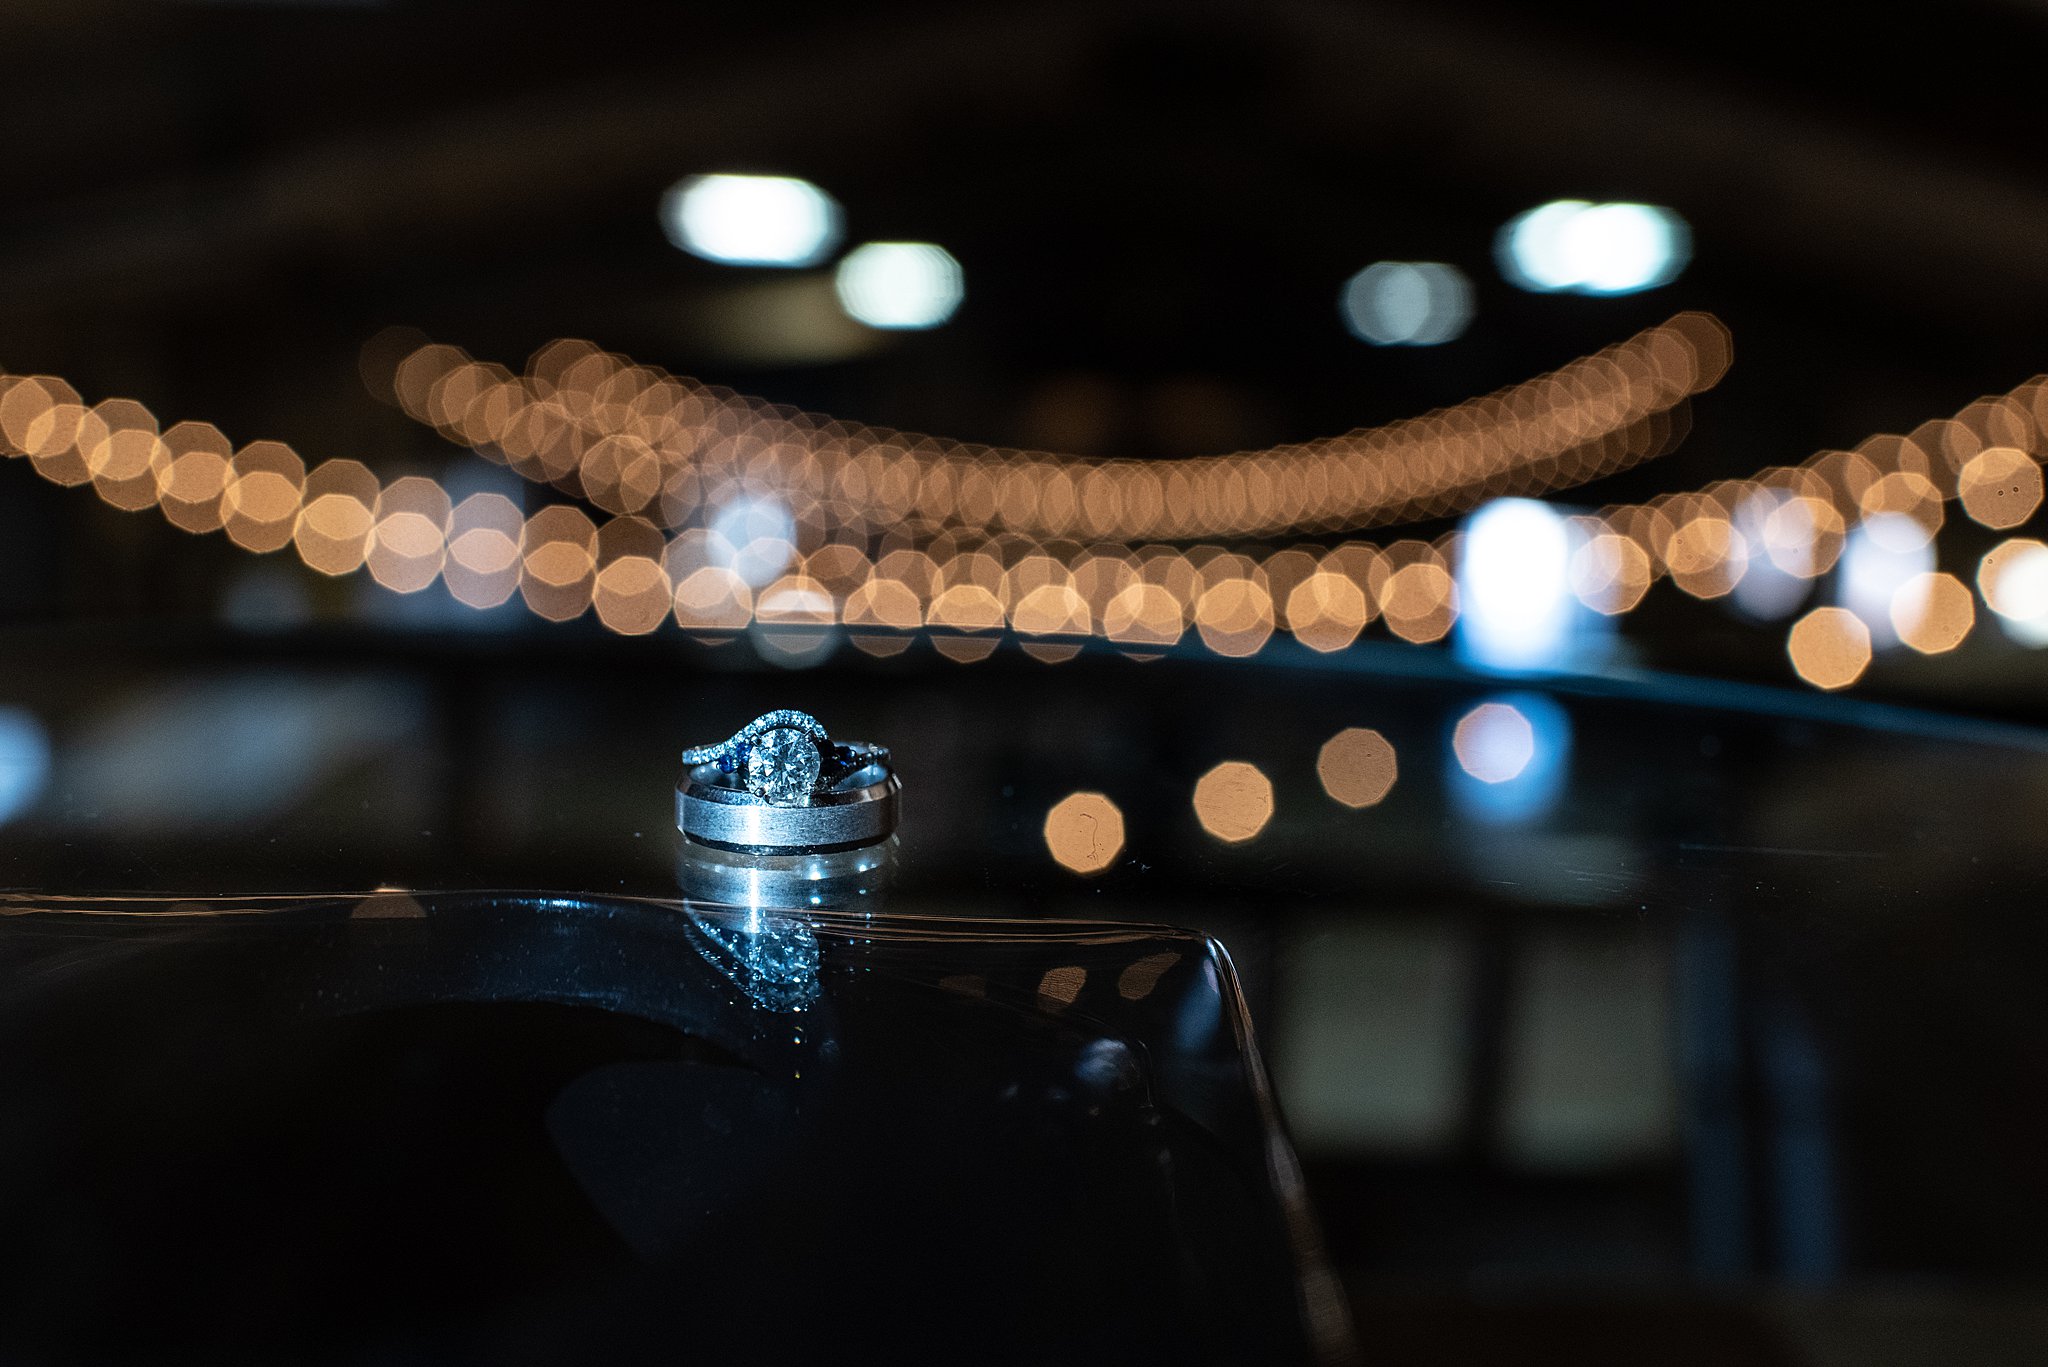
(846, 880)
(785, 757)
(780, 786)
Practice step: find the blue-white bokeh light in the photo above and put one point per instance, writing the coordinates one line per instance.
(900, 285)
(1576, 247)
(24, 761)
(751, 220)
(1778, 535)
(754, 536)
(2020, 597)
(1517, 610)
(1509, 758)
(1882, 556)
(1406, 303)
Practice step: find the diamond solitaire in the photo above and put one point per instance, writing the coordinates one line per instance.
(782, 766)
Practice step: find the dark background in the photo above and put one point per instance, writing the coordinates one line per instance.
(213, 206)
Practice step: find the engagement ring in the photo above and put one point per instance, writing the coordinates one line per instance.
(781, 784)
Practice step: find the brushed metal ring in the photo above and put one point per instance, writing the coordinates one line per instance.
(714, 809)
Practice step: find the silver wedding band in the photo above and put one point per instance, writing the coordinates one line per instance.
(857, 807)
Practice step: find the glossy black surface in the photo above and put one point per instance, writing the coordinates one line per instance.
(1720, 1035)
(509, 1129)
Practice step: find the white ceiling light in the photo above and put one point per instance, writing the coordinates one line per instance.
(1572, 246)
(1406, 303)
(751, 220)
(900, 284)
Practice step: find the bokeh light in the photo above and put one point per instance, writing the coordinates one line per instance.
(1418, 597)
(755, 538)
(1494, 742)
(409, 544)
(2013, 578)
(751, 220)
(729, 513)
(338, 515)
(1514, 592)
(1510, 757)
(1406, 303)
(24, 761)
(1234, 801)
(608, 431)
(2000, 487)
(1085, 832)
(261, 503)
(1610, 573)
(1327, 610)
(1933, 613)
(1829, 647)
(1234, 617)
(1884, 565)
(1779, 536)
(1574, 246)
(1357, 767)
(900, 285)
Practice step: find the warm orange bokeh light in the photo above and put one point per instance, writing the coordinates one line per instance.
(1357, 767)
(1235, 617)
(1085, 832)
(1829, 647)
(893, 534)
(1932, 613)
(632, 439)
(1995, 576)
(2000, 487)
(1234, 801)
(1326, 611)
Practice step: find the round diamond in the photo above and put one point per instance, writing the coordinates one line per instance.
(782, 765)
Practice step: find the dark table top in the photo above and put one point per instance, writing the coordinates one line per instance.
(1722, 1012)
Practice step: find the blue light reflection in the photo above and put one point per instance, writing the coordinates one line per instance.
(24, 761)
(1508, 759)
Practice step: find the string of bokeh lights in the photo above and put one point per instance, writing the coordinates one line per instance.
(634, 440)
(962, 583)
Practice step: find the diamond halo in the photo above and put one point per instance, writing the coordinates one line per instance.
(779, 756)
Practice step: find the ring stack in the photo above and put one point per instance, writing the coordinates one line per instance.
(782, 785)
